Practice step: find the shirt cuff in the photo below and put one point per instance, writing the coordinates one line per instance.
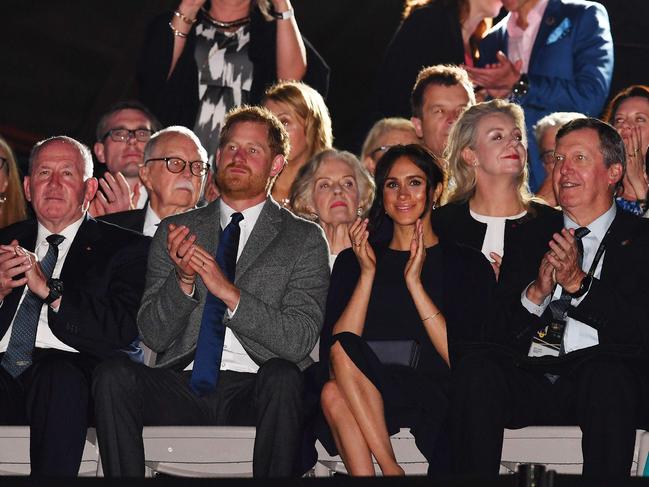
(535, 309)
(231, 313)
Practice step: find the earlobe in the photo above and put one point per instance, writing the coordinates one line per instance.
(99, 152)
(91, 189)
(469, 156)
(278, 164)
(615, 173)
(28, 194)
(416, 121)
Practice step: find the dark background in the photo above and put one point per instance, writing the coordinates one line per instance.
(62, 63)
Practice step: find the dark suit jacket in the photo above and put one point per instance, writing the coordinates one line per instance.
(103, 278)
(130, 219)
(430, 35)
(570, 68)
(617, 305)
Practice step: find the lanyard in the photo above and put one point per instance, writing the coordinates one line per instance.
(598, 255)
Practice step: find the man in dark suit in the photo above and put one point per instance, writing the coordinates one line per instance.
(70, 288)
(589, 288)
(174, 172)
(231, 338)
(549, 56)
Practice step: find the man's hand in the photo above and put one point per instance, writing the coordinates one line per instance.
(542, 287)
(115, 195)
(180, 245)
(203, 263)
(12, 264)
(498, 78)
(564, 258)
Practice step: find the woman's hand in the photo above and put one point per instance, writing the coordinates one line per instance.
(412, 272)
(497, 262)
(364, 253)
(190, 8)
(636, 176)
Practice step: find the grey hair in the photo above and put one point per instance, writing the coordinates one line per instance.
(86, 155)
(174, 130)
(382, 126)
(556, 119)
(301, 197)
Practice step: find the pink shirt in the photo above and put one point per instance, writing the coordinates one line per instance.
(521, 41)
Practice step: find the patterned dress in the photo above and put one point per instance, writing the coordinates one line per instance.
(224, 78)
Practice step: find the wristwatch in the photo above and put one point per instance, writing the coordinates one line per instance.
(521, 87)
(56, 290)
(583, 287)
(290, 13)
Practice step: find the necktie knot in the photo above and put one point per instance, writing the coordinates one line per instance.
(55, 239)
(236, 218)
(581, 232)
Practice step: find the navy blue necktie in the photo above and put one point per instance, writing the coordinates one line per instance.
(209, 348)
(18, 356)
(559, 306)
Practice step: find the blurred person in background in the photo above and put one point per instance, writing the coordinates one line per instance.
(12, 200)
(384, 134)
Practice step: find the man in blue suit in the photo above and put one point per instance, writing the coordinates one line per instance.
(549, 56)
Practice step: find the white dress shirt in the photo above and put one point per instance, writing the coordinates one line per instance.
(44, 336)
(578, 335)
(234, 355)
(151, 221)
(521, 42)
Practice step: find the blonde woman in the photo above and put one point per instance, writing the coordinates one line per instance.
(333, 189)
(384, 134)
(306, 118)
(487, 162)
(12, 200)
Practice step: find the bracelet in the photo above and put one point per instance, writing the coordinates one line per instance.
(186, 280)
(431, 316)
(177, 32)
(184, 18)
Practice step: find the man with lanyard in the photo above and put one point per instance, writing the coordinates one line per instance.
(595, 300)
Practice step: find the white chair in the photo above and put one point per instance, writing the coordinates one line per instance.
(14, 452)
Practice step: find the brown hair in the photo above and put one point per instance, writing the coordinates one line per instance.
(278, 140)
(310, 108)
(640, 91)
(14, 208)
(440, 75)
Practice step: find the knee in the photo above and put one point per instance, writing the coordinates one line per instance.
(280, 376)
(331, 399)
(113, 377)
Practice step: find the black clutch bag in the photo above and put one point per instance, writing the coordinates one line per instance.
(396, 352)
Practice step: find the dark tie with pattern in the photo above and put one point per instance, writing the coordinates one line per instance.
(561, 305)
(18, 356)
(209, 348)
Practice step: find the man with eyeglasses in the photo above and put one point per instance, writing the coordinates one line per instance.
(173, 175)
(122, 133)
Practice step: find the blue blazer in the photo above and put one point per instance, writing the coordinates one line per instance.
(570, 68)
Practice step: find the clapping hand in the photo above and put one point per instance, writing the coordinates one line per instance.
(180, 246)
(564, 258)
(115, 195)
(12, 264)
(358, 234)
(412, 271)
(497, 78)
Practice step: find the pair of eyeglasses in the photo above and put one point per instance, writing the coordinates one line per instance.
(379, 151)
(123, 135)
(3, 162)
(177, 165)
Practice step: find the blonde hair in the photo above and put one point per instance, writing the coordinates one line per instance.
(301, 197)
(462, 175)
(381, 127)
(14, 208)
(308, 105)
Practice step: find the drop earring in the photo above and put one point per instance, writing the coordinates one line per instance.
(359, 211)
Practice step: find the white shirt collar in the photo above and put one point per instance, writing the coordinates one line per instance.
(597, 227)
(534, 18)
(68, 232)
(151, 221)
(250, 215)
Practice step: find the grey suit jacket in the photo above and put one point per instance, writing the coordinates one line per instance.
(283, 276)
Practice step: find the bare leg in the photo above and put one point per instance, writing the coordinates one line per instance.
(348, 436)
(366, 404)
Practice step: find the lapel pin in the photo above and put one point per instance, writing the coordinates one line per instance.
(625, 242)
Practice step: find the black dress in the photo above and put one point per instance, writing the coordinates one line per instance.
(460, 282)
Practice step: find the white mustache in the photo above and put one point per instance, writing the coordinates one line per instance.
(183, 184)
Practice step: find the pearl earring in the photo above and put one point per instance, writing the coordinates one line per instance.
(359, 211)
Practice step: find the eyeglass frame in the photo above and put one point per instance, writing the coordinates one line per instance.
(205, 165)
(130, 134)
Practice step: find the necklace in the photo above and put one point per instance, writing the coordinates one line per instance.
(225, 25)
